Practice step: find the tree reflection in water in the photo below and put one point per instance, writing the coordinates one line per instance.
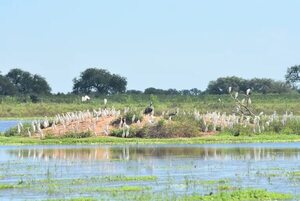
(140, 153)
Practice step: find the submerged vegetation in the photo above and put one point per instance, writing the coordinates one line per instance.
(238, 195)
(6, 186)
(242, 195)
(120, 187)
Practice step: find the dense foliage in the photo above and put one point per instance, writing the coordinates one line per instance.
(258, 85)
(293, 75)
(99, 81)
(52, 105)
(6, 87)
(27, 83)
(185, 92)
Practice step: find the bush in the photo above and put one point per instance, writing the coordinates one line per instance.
(238, 130)
(14, 131)
(34, 99)
(276, 126)
(78, 135)
(292, 127)
(162, 129)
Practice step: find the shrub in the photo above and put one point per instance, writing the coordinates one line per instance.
(162, 129)
(292, 127)
(116, 133)
(14, 130)
(78, 135)
(34, 98)
(276, 126)
(238, 130)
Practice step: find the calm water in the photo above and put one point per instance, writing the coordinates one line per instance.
(7, 124)
(55, 171)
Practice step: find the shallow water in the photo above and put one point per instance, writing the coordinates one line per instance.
(45, 172)
(7, 124)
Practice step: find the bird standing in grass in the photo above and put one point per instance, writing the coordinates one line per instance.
(29, 133)
(172, 114)
(149, 109)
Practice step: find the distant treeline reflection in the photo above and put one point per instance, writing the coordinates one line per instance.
(141, 153)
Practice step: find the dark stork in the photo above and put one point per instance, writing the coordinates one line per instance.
(172, 114)
(149, 109)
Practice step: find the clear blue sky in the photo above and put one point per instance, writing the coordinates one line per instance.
(155, 43)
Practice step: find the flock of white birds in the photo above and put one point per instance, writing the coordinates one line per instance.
(208, 122)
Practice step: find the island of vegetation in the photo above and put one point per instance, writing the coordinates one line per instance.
(101, 110)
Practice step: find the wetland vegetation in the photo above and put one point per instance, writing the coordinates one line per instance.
(225, 109)
(207, 127)
(112, 146)
(151, 172)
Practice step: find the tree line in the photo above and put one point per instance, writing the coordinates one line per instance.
(17, 81)
(102, 82)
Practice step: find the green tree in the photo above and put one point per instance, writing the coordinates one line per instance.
(152, 90)
(27, 83)
(195, 92)
(172, 92)
(258, 85)
(133, 91)
(264, 86)
(292, 76)
(117, 84)
(185, 92)
(6, 87)
(40, 85)
(99, 81)
(221, 85)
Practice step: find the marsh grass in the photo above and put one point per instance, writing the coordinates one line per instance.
(75, 199)
(165, 129)
(50, 106)
(220, 138)
(6, 186)
(117, 189)
(86, 134)
(180, 126)
(240, 195)
(235, 195)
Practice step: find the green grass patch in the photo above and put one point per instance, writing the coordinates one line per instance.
(128, 178)
(117, 189)
(6, 186)
(88, 180)
(11, 107)
(240, 195)
(295, 174)
(75, 199)
(220, 138)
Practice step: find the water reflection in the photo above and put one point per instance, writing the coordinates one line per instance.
(156, 152)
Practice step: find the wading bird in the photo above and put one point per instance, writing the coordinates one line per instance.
(149, 109)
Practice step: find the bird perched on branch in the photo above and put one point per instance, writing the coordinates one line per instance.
(149, 109)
